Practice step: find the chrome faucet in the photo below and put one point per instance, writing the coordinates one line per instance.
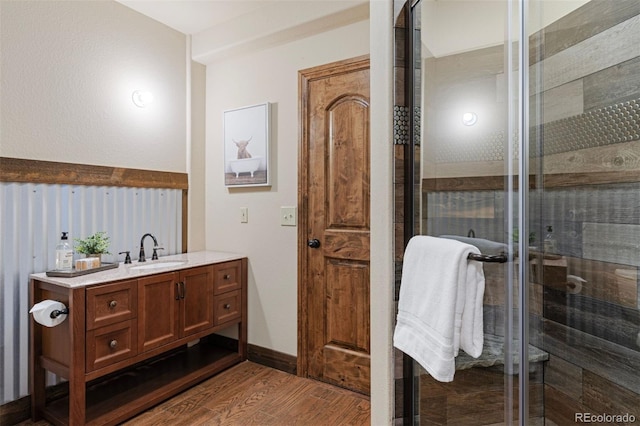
(141, 257)
(471, 233)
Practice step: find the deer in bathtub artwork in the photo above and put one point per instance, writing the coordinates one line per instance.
(244, 162)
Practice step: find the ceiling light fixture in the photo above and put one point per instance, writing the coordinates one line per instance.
(469, 118)
(141, 98)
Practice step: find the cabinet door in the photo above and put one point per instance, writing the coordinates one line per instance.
(158, 304)
(196, 311)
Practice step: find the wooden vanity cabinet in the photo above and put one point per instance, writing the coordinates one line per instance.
(174, 305)
(124, 345)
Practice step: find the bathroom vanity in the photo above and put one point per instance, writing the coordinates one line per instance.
(137, 334)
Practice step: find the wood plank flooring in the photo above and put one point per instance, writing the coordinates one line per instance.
(252, 394)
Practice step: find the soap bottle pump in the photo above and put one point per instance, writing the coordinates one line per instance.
(64, 254)
(549, 241)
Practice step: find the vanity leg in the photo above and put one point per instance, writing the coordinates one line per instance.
(37, 372)
(77, 388)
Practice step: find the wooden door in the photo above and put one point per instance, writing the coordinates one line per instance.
(157, 311)
(333, 341)
(196, 310)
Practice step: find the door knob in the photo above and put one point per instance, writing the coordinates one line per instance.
(313, 243)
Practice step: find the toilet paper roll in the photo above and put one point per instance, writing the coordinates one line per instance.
(574, 284)
(42, 313)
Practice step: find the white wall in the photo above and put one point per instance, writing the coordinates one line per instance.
(269, 75)
(68, 71)
(196, 235)
(382, 228)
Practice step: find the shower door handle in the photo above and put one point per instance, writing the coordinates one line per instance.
(313, 243)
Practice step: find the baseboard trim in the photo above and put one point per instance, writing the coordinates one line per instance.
(17, 411)
(274, 359)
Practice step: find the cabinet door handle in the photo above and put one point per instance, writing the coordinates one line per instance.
(181, 290)
(113, 344)
(227, 276)
(113, 304)
(227, 306)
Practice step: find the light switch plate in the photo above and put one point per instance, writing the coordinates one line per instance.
(288, 216)
(244, 214)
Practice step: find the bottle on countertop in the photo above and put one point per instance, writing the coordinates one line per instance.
(64, 254)
(549, 241)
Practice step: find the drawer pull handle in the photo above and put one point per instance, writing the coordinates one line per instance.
(227, 276)
(227, 306)
(113, 304)
(113, 344)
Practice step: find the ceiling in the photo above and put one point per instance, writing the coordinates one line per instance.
(221, 28)
(194, 16)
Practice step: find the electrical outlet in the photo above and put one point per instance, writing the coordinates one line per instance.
(244, 214)
(288, 216)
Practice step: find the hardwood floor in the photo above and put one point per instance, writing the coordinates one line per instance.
(252, 394)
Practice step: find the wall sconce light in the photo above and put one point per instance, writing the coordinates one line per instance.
(469, 118)
(141, 98)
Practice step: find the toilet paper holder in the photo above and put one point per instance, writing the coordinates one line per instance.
(57, 313)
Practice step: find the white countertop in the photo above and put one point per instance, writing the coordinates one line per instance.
(123, 272)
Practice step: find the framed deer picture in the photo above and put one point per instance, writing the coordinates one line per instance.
(246, 146)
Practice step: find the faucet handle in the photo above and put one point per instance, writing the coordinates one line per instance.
(154, 256)
(127, 258)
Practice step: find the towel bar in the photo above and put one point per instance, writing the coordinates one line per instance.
(498, 258)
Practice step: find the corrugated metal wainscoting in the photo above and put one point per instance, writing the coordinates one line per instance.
(32, 217)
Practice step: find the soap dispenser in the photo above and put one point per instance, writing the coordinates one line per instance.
(549, 241)
(64, 254)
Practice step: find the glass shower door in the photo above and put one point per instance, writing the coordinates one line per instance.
(561, 198)
(466, 68)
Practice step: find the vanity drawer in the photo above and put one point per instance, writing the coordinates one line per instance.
(111, 303)
(110, 344)
(227, 307)
(227, 277)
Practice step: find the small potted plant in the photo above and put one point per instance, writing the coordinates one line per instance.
(93, 246)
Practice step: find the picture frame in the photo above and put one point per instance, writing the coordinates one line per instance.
(247, 145)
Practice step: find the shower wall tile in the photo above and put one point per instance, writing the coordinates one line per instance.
(400, 40)
(603, 396)
(585, 163)
(558, 103)
(609, 242)
(609, 360)
(607, 321)
(563, 376)
(559, 408)
(579, 60)
(580, 25)
(619, 83)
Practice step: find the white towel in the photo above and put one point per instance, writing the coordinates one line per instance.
(440, 306)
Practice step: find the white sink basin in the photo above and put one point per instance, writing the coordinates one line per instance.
(157, 265)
